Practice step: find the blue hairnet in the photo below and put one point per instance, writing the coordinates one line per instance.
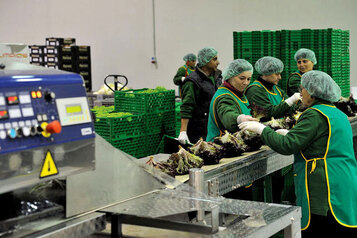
(305, 54)
(237, 67)
(189, 57)
(205, 55)
(319, 84)
(269, 65)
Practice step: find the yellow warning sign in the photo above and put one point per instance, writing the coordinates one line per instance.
(48, 167)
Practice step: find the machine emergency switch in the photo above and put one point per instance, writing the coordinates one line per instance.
(49, 96)
(54, 127)
(19, 132)
(11, 133)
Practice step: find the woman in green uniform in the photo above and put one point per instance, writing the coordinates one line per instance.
(305, 60)
(325, 166)
(185, 70)
(229, 106)
(264, 91)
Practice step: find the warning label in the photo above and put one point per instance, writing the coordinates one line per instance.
(48, 167)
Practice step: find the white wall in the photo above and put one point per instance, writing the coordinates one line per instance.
(120, 32)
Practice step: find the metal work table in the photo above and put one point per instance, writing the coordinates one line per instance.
(232, 173)
(252, 219)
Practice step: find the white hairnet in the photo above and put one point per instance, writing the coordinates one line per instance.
(189, 57)
(269, 65)
(319, 84)
(236, 67)
(305, 54)
(205, 55)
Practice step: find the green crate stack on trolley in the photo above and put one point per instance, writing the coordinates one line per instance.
(158, 107)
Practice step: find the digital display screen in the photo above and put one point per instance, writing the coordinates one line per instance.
(73, 109)
(4, 114)
(12, 100)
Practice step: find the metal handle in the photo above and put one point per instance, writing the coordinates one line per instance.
(116, 81)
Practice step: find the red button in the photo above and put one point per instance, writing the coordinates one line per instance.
(54, 127)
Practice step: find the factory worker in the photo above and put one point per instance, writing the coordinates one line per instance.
(185, 70)
(325, 166)
(229, 106)
(264, 91)
(197, 91)
(305, 60)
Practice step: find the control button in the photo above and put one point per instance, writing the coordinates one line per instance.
(15, 124)
(21, 123)
(2, 101)
(34, 122)
(33, 130)
(19, 132)
(12, 133)
(7, 125)
(54, 127)
(44, 117)
(39, 117)
(1, 126)
(28, 123)
(2, 135)
(49, 96)
(26, 131)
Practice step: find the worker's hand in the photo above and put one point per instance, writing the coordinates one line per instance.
(183, 79)
(282, 131)
(253, 126)
(183, 138)
(293, 99)
(242, 118)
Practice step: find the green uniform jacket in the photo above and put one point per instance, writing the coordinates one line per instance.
(293, 83)
(183, 71)
(225, 107)
(326, 176)
(268, 96)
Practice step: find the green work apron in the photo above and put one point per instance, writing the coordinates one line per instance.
(340, 168)
(275, 97)
(213, 129)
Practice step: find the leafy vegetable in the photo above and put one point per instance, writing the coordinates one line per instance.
(211, 153)
(347, 105)
(231, 145)
(259, 112)
(251, 140)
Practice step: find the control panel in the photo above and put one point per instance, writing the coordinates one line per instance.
(40, 106)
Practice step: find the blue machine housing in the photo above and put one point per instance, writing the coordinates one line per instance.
(22, 82)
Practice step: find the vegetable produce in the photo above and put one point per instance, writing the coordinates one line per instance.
(347, 105)
(211, 153)
(277, 124)
(258, 112)
(251, 140)
(178, 163)
(232, 147)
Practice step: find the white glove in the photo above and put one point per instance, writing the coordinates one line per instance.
(183, 138)
(291, 100)
(252, 126)
(183, 78)
(242, 118)
(282, 131)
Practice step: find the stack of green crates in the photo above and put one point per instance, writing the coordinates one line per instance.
(158, 110)
(331, 47)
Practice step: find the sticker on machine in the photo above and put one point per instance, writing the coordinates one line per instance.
(49, 167)
(86, 131)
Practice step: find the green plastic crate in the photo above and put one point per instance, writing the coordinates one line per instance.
(115, 128)
(135, 101)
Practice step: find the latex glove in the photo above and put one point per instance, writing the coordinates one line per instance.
(183, 138)
(253, 126)
(242, 118)
(183, 79)
(291, 100)
(282, 131)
